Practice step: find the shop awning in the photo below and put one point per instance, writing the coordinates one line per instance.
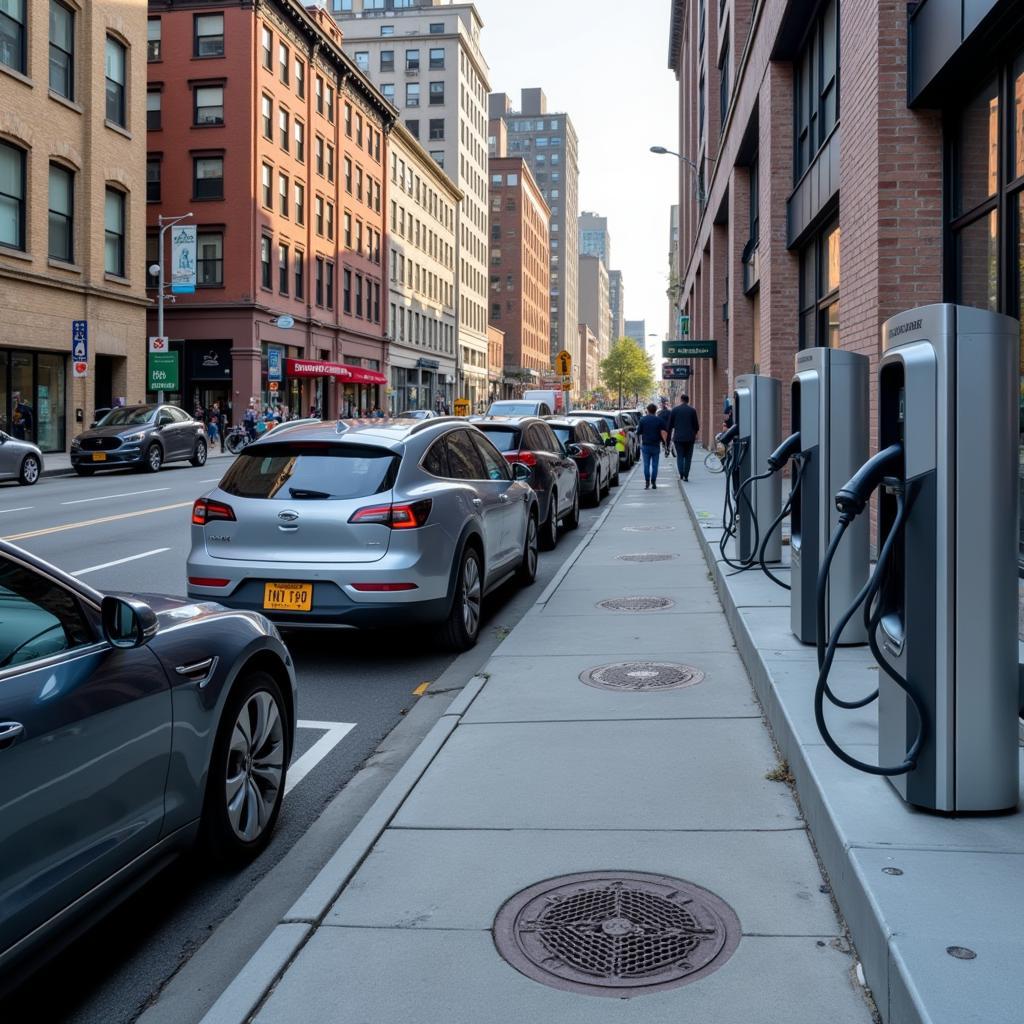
(315, 368)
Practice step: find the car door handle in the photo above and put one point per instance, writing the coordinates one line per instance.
(9, 732)
(502, 497)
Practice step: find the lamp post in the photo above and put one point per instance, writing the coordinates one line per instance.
(165, 223)
(698, 192)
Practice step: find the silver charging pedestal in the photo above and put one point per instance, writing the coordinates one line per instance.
(758, 405)
(948, 389)
(830, 410)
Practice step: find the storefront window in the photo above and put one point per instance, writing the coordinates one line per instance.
(819, 289)
(32, 397)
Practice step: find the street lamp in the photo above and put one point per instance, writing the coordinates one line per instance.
(164, 224)
(698, 192)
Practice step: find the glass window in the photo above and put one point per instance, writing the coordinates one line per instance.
(977, 163)
(267, 44)
(300, 283)
(819, 289)
(387, 90)
(816, 87)
(153, 180)
(495, 467)
(437, 28)
(977, 257)
(153, 109)
(209, 35)
(437, 58)
(284, 61)
(209, 258)
(113, 232)
(387, 60)
(208, 181)
(436, 128)
(114, 69)
(153, 34)
(61, 228)
(436, 93)
(265, 261)
(412, 60)
(300, 203)
(267, 117)
(284, 134)
(362, 59)
(412, 94)
(464, 459)
(12, 34)
(300, 79)
(266, 181)
(209, 100)
(329, 274)
(62, 49)
(282, 269)
(300, 141)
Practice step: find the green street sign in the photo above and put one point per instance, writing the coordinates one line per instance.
(689, 349)
(163, 371)
(684, 324)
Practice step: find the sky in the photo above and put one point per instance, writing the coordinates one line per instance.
(606, 64)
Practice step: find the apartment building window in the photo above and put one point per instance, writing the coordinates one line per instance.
(318, 283)
(61, 215)
(359, 184)
(153, 180)
(723, 84)
(209, 104)
(359, 237)
(113, 232)
(300, 79)
(282, 269)
(208, 33)
(437, 155)
(359, 295)
(346, 291)
(330, 103)
(267, 185)
(342, 5)
(359, 130)
(284, 134)
(284, 63)
(153, 110)
(282, 194)
(816, 87)
(267, 42)
(115, 66)
(153, 40)
(300, 203)
(412, 94)
(318, 146)
(348, 175)
(362, 59)
(412, 60)
(267, 114)
(209, 259)
(330, 221)
(387, 90)
(436, 128)
(319, 95)
(319, 215)
(300, 141)
(436, 94)
(437, 58)
(265, 271)
(208, 177)
(330, 162)
(12, 34)
(300, 275)
(348, 120)
(437, 28)
(819, 289)
(329, 275)
(62, 50)
(387, 60)
(414, 128)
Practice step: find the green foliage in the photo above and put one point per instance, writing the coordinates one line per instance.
(628, 370)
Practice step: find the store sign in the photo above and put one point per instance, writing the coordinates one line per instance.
(163, 372)
(339, 371)
(183, 260)
(689, 349)
(273, 364)
(675, 372)
(159, 344)
(210, 360)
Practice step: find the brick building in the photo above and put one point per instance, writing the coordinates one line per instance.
(263, 129)
(72, 210)
(519, 271)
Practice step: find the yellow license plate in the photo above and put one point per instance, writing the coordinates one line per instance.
(287, 597)
(99, 456)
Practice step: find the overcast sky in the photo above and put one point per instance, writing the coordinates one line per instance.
(606, 64)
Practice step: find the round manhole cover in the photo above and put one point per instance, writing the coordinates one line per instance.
(655, 528)
(636, 604)
(642, 675)
(647, 556)
(616, 933)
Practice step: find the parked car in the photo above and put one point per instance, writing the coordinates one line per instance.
(530, 442)
(630, 420)
(418, 414)
(131, 728)
(596, 461)
(391, 522)
(98, 414)
(19, 460)
(140, 436)
(609, 425)
(519, 407)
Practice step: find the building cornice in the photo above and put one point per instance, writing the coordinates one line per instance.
(675, 34)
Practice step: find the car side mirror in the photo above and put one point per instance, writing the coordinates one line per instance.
(576, 450)
(609, 442)
(93, 424)
(127, 622)
(520, 472)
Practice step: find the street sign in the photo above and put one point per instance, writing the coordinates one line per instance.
(273, 364)
(684, 324)
(563, 364)
(273, 385)
(183, 260)
(80, 340)
(158, 344)
(285, 322)
(680, 349)
(461, 406)
(669, 372)
(163, 371)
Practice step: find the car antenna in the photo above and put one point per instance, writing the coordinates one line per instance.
(341, 427)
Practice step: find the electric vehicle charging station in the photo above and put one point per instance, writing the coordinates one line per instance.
(829, 409)
(941, 607)
(757, 402)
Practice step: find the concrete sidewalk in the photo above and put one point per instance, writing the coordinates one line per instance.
(531, 775)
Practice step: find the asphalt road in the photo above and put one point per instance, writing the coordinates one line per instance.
(130, 532)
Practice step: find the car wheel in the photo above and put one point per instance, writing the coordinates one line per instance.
(84, 470)
(247, 772)
(549, 531)
(528, 567)
(29, 471)
(572, 520)
(199, 458)
(154, 459)
(462, 626)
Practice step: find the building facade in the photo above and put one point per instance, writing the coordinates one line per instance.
(496, 364)
(263, 129)
(590, 361)
(594, 237)
(594, 304)
(519, 281)
(616, 304)
(637, 330)
(421, 240)
(547, 142)
(72, 213)
(426, 60)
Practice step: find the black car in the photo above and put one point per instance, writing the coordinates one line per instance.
(553, 474)
(141, 436)
(596, 459)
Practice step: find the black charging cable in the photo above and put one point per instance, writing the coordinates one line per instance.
(800, 461)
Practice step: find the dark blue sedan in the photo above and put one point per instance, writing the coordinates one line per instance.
(131, 728)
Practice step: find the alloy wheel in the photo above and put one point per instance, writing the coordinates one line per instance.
(471, 596)
(154, 459)
(30, 470)
(532, 554)
(255, 766)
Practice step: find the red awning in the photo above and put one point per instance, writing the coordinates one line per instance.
(314, 368)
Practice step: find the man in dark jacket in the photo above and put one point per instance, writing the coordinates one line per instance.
(683, 427)
(651, 431)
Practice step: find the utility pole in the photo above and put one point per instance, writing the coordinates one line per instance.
(165, 223)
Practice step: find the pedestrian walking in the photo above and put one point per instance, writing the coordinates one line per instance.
(663, 415)
(683, 430)
(213, 425)
(652, 434)
(250, 420)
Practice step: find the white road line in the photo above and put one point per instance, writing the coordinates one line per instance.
(210, 480)
(107, 497)
(24, 508)
(334, 733)
(120, 561)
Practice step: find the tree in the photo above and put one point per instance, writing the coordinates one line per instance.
(628, 369)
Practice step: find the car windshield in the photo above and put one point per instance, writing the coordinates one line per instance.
(512, 409)
(505, 439)
(131, 417)
(310, 470)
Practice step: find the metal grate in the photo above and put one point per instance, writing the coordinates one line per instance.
(647, 676)
(636, 604)
(616, 933)
(647, 556)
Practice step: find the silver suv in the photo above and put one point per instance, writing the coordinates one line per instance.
(389, 522)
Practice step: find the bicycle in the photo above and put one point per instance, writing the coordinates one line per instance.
(236, 439)
(714, 460)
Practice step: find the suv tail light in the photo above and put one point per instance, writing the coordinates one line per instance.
(205, 511)
(398, 517)
(526, 458)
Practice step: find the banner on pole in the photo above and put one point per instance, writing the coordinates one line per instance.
(183, 260)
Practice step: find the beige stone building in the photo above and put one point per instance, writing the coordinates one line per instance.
(588, 376)
(595, 301)
(72, 211)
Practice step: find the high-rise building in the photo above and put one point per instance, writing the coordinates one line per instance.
(590, 363)
(594, 237)
(637, 330)
(594, 308)
(617, 304)
(426, 60)
(547, 142)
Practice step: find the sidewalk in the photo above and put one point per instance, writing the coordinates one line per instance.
(533, 775)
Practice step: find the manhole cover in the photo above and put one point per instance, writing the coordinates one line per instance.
(616, 933)
(636, 604)
(646, 556)
(647, 529)
(642, 675)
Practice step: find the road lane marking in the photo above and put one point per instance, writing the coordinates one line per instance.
(334, 733)
(107, 497)
(421, 689)
(120, 561)
(23, 508)
(95, 522)
(211, 480)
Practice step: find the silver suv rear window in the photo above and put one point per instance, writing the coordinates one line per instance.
(505, 439)
(311, 470)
